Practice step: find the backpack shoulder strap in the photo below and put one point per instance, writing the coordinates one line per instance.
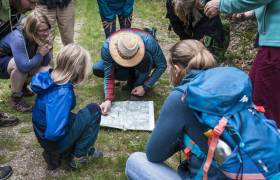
(192, 147)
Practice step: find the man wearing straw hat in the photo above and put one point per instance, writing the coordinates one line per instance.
(129, 55)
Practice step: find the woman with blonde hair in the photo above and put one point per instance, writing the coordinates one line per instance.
(24, 51)
(187, 59)
(61, 133)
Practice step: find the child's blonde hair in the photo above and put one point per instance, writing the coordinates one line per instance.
(188, 54)
(30, 26)
(73, 64)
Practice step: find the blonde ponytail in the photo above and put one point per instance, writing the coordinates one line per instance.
(189, 54)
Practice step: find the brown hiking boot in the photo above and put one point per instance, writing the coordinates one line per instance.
(7, 120)
(19, 103)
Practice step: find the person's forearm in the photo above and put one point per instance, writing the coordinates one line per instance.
(237, 6)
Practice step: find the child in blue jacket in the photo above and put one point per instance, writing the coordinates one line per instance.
(58, 130)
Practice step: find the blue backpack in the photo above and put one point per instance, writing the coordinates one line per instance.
(221, 100)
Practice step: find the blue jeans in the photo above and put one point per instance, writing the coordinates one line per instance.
(134, 77)
(139, 168)
(81, 133)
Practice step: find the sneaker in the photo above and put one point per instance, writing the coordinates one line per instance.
(53, 160)
(19, 103)
(78, 162)
(5, 172)
(7, 120)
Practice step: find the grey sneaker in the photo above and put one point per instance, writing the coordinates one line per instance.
(78, 162)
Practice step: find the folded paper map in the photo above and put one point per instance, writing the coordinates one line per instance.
(130, 115)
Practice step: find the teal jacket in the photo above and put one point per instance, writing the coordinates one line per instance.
(109, 9)
(267, 13)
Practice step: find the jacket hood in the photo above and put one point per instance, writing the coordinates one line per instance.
(42, 81)
(190, 76)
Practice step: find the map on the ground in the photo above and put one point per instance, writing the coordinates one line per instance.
(130, 115)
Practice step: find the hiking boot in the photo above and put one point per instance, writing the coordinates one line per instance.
(53, 160)
(19, 103)
(7, 120)
(5, 172)
(78, 162)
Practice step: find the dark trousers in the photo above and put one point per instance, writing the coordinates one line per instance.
(265, 76)
(133, 77)
(81, 133)
(124, 23)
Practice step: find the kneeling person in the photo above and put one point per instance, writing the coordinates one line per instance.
(129, 55)
(58, 130)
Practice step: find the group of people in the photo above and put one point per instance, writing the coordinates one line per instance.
(131, 55)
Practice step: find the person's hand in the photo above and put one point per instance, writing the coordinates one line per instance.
(105, 107)
(211, 9)
(243, 16)
(44, 49)
(107, 24)
(138, 91)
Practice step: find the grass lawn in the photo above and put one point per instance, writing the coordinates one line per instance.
(18, 145)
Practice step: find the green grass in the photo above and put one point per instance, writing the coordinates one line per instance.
(116, 144)
(26, 129)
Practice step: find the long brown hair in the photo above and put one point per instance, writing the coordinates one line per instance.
(184, 8)
(31, 24)
(188, 54)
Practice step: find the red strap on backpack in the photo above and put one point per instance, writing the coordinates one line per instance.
(259, 109)
(213, 139)
(187, 153)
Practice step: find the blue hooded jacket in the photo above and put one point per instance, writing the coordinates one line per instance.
(53, 106)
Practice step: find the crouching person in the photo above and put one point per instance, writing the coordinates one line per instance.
(61, 133)
(211, 117)
(187, 59)
(131, 55)
(23, 52)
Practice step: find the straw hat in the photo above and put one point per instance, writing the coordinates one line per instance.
(127, 48)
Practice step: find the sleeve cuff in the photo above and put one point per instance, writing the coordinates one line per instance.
(146, 88)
